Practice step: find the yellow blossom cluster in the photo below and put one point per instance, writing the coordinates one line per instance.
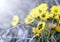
(44, 13)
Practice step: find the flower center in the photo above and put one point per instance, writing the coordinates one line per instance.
(59, 17)
(40, 26)
(40, 11)
(43, 15)
(30, 19)
(56, 11)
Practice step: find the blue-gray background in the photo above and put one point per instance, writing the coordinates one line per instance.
(10, 8)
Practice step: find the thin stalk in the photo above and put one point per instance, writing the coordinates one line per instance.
(32, 38)
(56, 2)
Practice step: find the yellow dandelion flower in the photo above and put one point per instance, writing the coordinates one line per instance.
(56, 17)
(36, 31)
(39, 29)
(43, 7)
(51, 15)
(58, 21)
(59, 11)
(41, 25)
(15, 21)
(57, 29)
(55, 10)
(44, 16)
(34, 13)
(52, 25)
(28, 20)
